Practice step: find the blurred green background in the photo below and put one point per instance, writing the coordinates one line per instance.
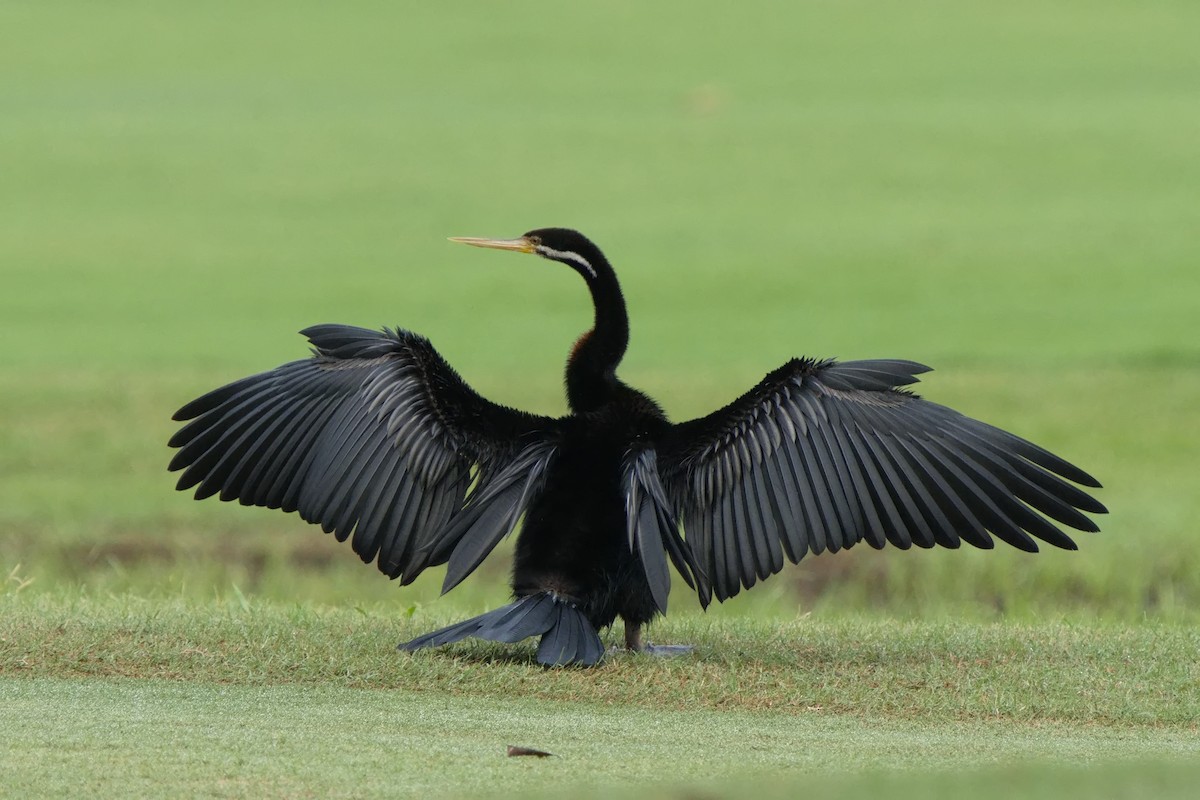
(1008, 192)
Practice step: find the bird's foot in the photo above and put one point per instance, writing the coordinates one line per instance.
(667, 650)
(659, 650)
(634, 644)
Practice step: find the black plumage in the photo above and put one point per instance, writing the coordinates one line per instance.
(377, 439)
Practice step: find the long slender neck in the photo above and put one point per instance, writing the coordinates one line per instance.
(591, 369)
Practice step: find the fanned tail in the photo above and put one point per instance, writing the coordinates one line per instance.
(567, 635)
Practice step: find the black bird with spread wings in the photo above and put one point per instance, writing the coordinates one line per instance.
(377, 439)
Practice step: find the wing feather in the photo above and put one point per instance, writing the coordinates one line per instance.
(374, 438)
(653, 529)
(821, 455)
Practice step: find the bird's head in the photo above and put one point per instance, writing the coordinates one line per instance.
(565, 245)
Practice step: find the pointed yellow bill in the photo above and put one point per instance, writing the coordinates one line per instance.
(521, 245)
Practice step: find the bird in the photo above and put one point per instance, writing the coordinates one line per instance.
(377, 439)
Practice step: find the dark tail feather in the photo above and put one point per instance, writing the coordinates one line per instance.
(567, 635)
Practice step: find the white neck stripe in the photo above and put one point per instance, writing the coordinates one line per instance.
(567, 255)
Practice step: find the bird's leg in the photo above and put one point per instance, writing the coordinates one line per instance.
(633, 637)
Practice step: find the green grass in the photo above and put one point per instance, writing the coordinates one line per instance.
(199, 739)
(87, 501)
(1051, 670)
(246, 698)
(1008, 193)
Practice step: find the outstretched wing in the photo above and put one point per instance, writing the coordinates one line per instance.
(374, 436)
(822, 455)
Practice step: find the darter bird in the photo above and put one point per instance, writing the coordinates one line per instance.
(377, 439)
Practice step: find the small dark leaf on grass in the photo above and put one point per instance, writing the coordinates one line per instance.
(513, 750)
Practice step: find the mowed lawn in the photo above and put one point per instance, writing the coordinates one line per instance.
(1009, 194)
(251, 699)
